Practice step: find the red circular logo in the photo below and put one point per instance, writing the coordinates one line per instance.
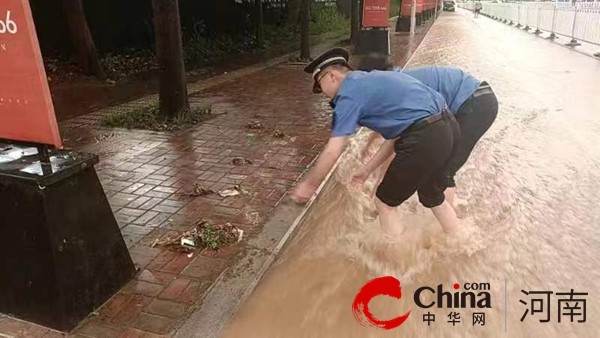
(388, 286)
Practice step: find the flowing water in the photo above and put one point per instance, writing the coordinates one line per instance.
(529, 211)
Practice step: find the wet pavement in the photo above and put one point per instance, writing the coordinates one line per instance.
(529, 217)
(146, 176)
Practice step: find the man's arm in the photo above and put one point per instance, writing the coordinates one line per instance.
(386, 150)
(333, 150)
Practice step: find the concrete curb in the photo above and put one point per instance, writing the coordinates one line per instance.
(237, 284)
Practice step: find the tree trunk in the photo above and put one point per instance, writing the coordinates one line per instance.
(293, 12)
(361, 4)
(81, 39)
(173, 88)
(399, 19)
(260, 24)
(354, 21)
(305, 30)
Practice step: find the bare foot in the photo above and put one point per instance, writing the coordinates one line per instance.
(427, 243)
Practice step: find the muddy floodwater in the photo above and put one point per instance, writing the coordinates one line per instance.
(529, 212)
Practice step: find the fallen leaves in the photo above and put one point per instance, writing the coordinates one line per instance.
(241, 161)
(204, 235)
(197, 190)
(254, 125)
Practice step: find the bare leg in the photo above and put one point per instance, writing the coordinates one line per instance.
(451, 197)
(389, 218)
(446, 215)
(367, 153)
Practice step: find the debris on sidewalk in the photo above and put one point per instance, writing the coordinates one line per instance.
(298, 61)
(254, 125)
(102, 137)
(204, 235)
(270, 116)
(234, 191)
(198, 191)
(241, 161)
(278, 134)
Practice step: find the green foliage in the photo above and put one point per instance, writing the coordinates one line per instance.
(149, 118)
(327, 19)
(212, 238)
(395, 7)
(128, 62)
(200, 50)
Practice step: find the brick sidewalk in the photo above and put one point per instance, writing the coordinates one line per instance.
(144, 173)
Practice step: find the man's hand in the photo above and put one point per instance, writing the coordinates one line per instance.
(303, 192)
(334, 148)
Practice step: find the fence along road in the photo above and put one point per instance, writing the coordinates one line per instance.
(579, 23)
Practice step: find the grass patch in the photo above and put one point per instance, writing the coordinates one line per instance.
(148, 118)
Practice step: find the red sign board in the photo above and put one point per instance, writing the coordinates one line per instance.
(376, 13)
(26, 110)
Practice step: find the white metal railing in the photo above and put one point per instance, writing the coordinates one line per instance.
(580, 22)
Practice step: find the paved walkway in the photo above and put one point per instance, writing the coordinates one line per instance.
(144, 175)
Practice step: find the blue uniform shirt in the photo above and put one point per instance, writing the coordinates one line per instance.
(455, 85)
(386, 102)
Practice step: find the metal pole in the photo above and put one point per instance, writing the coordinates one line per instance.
(552, 35)
(537, 23)
(574, 42)
(413, 17)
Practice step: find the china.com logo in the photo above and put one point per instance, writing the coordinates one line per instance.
(475, 296)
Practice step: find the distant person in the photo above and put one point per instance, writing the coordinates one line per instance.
(477, 8)
(472, 101)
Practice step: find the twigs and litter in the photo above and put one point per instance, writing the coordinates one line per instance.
(278, 134)
(241, 161)
(198, 191)
(254, 125)
(233, 191)
(102, 137)
(204, 235)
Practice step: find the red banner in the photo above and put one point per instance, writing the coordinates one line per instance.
(376, 13)
(26, 110)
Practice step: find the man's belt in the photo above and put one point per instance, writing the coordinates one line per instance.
(424, 122)
(484, 88)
